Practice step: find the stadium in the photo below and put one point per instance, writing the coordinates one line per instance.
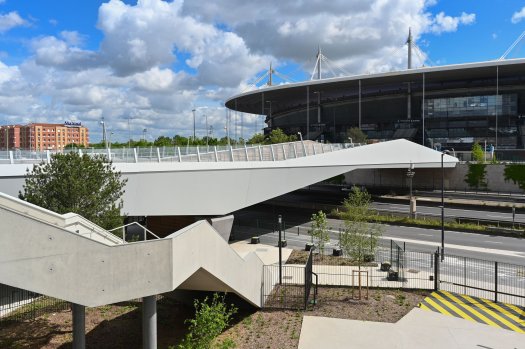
(449, 106)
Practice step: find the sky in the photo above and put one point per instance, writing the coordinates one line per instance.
(146, 64)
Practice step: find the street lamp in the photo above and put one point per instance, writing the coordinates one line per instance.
(443, 206)
(193, 111)
(110, 134)
(410, 175)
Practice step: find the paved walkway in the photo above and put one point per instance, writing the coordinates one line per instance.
(268, 254)
(418, 329)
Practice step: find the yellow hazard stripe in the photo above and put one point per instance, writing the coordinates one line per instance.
(494, 315)
(437, 306)
(423, 306)
(471, 309)
(516, 309)
(505, 312)
(451, 305)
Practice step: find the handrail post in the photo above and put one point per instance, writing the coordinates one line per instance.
(216, 155)
(260, 153)
(313, 147)
(304, 148)
(11, 159)
(331, 147)
(231, 153)
(135, 155)
(294, 150)
(178, 152)
(496, 282)
(271, 151)
(284, 151)
(246, 152)
(198, 155)
(109, 153)
(158, 154)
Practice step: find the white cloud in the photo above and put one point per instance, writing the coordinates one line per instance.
(11, 20)
(444, 24)
(158, 59)
(518, 16)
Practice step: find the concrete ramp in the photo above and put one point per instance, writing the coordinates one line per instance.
(41, 252)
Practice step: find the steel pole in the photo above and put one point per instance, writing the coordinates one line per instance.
(279, 243)
(442, 209)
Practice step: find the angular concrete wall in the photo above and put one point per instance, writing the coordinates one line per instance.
(427, 178)
(42, 257)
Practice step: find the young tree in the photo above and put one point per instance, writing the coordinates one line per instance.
(87, 185)
(357, 135)
(277, 136)
(477, 153)
(359, 239)
(319, 231)
(257, 138)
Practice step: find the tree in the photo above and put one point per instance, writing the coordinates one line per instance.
(319, 230)
(277, 136)
(163, 141)
(257, 138)
(359, 238)
(210, 320)
(82, 184)
(477, 153)
(356, 134)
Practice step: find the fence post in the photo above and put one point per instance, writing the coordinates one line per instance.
(496, 282)
(391, 243)
(436, 271)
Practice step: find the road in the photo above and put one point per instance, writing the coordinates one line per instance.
(487, 247)
(452, 212)
(336, 197)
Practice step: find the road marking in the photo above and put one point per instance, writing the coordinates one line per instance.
(493, 242)
(459, 247)
(425, 234)
(482, 310)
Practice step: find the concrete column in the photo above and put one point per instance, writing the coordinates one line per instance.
(149, 322)
(79, 326)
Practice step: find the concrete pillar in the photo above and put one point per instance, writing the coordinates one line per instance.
(149, 322)
(79, 326)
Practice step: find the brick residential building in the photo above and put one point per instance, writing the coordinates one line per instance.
(43, 136)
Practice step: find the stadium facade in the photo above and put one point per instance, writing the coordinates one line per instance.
(446, 106)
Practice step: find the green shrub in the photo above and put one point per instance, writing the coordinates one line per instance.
(210, 320)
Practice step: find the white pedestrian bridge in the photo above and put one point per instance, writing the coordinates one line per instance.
(217, 181)
(69, 257)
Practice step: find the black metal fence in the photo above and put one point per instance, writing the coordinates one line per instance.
(501, 282)
(294, 292)
(17, 304)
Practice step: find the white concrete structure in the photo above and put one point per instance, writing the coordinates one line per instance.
(40, 252)
(212, 184)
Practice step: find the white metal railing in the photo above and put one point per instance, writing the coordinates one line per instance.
(270, 152)
(144, 229)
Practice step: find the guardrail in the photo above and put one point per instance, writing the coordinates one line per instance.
(270, 152)
(144, 229)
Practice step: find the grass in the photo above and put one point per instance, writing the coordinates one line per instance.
(427, 223)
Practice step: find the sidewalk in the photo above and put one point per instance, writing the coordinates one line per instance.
(418, 329)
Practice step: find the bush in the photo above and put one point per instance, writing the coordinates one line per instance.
(210, 320)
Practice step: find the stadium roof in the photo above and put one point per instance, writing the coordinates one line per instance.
(285, 95)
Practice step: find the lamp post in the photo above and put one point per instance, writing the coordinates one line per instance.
(193, 111)
(280, 221)
(443, 206)
(410, 175)
(110, 134)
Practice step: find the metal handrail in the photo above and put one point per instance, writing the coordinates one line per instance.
(256, 152)
(134, 223)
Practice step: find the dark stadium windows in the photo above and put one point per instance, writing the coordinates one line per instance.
(472, 106)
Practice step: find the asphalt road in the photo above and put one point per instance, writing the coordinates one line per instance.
(335, 198)
(452, 212)
(493, 248)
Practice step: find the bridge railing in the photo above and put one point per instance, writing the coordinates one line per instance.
(269, 152)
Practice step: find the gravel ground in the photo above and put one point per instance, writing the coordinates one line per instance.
(119, 326)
